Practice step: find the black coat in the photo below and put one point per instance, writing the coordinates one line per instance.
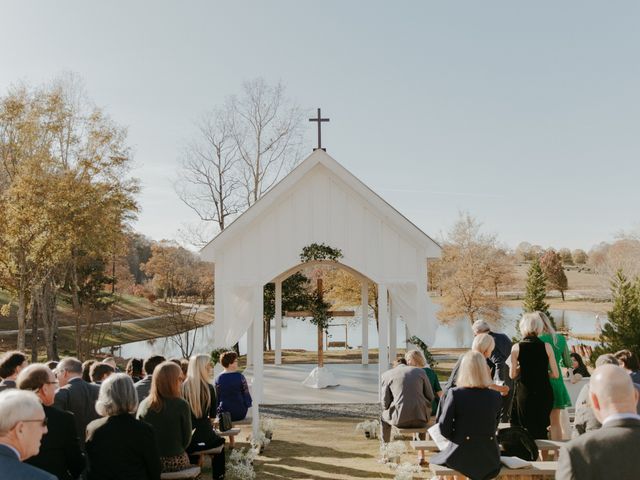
(122, 448)
(79, 397)
(469, 419)
(60, 451)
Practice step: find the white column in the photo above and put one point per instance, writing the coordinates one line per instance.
(250, 346)
(365, 322)
(258, 358)
(393, 336)
(278, 319)
(383, 339)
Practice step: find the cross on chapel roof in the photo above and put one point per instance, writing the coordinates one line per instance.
(319, 119)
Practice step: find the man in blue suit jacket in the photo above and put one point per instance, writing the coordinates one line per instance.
(22, 424)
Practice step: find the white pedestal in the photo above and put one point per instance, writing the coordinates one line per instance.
(320, 378)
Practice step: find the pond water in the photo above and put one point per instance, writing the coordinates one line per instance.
(301, 334)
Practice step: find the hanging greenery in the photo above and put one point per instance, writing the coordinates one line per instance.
(319, 310)
(425, 349)
(320, 252)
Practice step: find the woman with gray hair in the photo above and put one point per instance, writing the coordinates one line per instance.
(118, 445)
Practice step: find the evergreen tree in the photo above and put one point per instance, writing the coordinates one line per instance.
(623, 328)
(536, 291)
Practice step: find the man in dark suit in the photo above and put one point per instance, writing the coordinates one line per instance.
(144, 386)
(10, 365)
(499, 356)
(60, 452)
(611, 451)
(22, 424)
(406, 399)
(75, 395)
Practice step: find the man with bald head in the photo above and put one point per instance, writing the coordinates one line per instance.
(611, 451)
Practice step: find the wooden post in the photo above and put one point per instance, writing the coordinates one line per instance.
(364, 294)
(320, 331)
(278, 319)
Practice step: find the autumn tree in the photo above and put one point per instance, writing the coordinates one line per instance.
(579, 256)
(65, 194)
(565, 256)
(345, 290)
(551, 264)
(469, 259)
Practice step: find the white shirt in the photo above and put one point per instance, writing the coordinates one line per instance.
(620, 416)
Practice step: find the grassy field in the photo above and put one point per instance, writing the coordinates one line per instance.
(126, 308)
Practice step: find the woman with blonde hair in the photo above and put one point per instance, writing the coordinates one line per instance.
(201, 397)
(169, 415)
(561, 398)
(469, 420)
(531, 361)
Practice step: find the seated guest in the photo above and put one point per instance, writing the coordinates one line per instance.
(10, 365)
(577, 365)
(469, 420)
(118, 445)
(415, 358)
(406, 399)
(100, 372)
(22, 424)
(201, 397)
(169, 415)
(232, 389)
(86, 370)
(144, 386)
(60, 451)
(134, 369)
(629, 361)
(498, 357)
(52, 365)
(611, 451)
(75, 395)
(585, 419)
(485, 344)
(112, 363)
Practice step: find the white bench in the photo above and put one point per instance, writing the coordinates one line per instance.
(536, 471)
(231, 433)
(413, 431)
(188, 473)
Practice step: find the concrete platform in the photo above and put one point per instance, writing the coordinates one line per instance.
(283, 384)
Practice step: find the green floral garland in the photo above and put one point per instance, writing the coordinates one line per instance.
(425, 349)
(320, 252)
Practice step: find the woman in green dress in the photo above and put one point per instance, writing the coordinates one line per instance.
(561, 399)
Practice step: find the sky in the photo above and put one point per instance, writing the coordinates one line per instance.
(524, 114)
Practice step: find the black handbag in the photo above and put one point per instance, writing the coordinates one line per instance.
(224, 422)
(516, 441)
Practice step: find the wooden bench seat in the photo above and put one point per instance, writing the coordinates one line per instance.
(544, 446)
(203, 453)
(536, 471)
(192, 472)
(413, 431)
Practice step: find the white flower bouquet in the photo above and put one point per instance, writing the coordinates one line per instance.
(406, 471)
(369, 427)
(392, 451)
(240, 465)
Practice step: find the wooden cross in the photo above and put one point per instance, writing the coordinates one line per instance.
(331, 313)
(319, 119)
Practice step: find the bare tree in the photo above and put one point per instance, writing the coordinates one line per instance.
(266, 128)
(240, 151)
(208, 180)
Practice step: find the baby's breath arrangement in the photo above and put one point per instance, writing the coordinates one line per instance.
(406, 471)
(240, 464)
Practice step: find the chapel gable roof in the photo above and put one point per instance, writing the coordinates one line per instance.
(319, 157)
